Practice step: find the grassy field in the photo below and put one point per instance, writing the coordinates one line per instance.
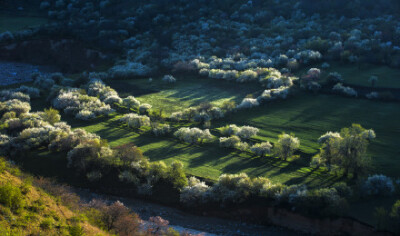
(352, 74)
(307, 116)
(208, 160)
(15, 23)
(186, 92)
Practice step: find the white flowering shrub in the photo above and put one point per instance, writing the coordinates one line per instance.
(200, 65)
(176, 116)
(261, 149)
(4, 144)
(314, 73)
(286, 145)
(229, 130)
(130, 102)
(272, 94)
(247, 132)
(162, 129)
(97, 88)
(229, 142)
(368, 134)
(335, 77)
(129, 70)
(31, 91)
(9, 95)
(193, 135)
(74, 102)
(246, 76)
(16, 106)
(195, 193)
(113, 99)
(144, 108)
(169, 79)
(248, 103)
(85, 115)
(372, 95)
(348, 91)
(328, 136)
(378, 185)
(135, 121)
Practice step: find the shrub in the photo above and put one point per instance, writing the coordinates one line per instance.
(32, 92)
(113, 99)
(130, 102)
(176, 175)
(194, 193)
(193, 135)
(286, 145)
(11, 197)
(247, 75)
(272, 94)
(144, 108)
(6, 95)
(16, 106)
(135, 120)
(129, 70)
(339, 88)
(85, 115)
(247, 132)
(230, 142)
(378, 185)
(229, 130)
(248, 103)
(161, 130)
(261, 149)
(169, 79)
(51, 116)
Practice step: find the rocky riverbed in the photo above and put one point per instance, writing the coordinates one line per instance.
(184, 222)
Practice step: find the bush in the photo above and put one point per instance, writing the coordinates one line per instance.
(194, 193)
(339, 88)
(248, 103)
(130, 102)
(378, 185)
(193, 135)
(169, 79)
(247, 132)
(11, 197)
(261, 149)
(135, 120)
(286, 145)
(230, 142)
(229, 130)
(129, 70)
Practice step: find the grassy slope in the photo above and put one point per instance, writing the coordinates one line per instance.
(29, 219)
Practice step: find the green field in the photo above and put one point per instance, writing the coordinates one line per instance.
(15, 23)
(307, 116)
(358, 75)
(186, 92)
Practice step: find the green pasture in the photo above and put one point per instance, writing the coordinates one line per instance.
(186, 92)
(359, 74)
